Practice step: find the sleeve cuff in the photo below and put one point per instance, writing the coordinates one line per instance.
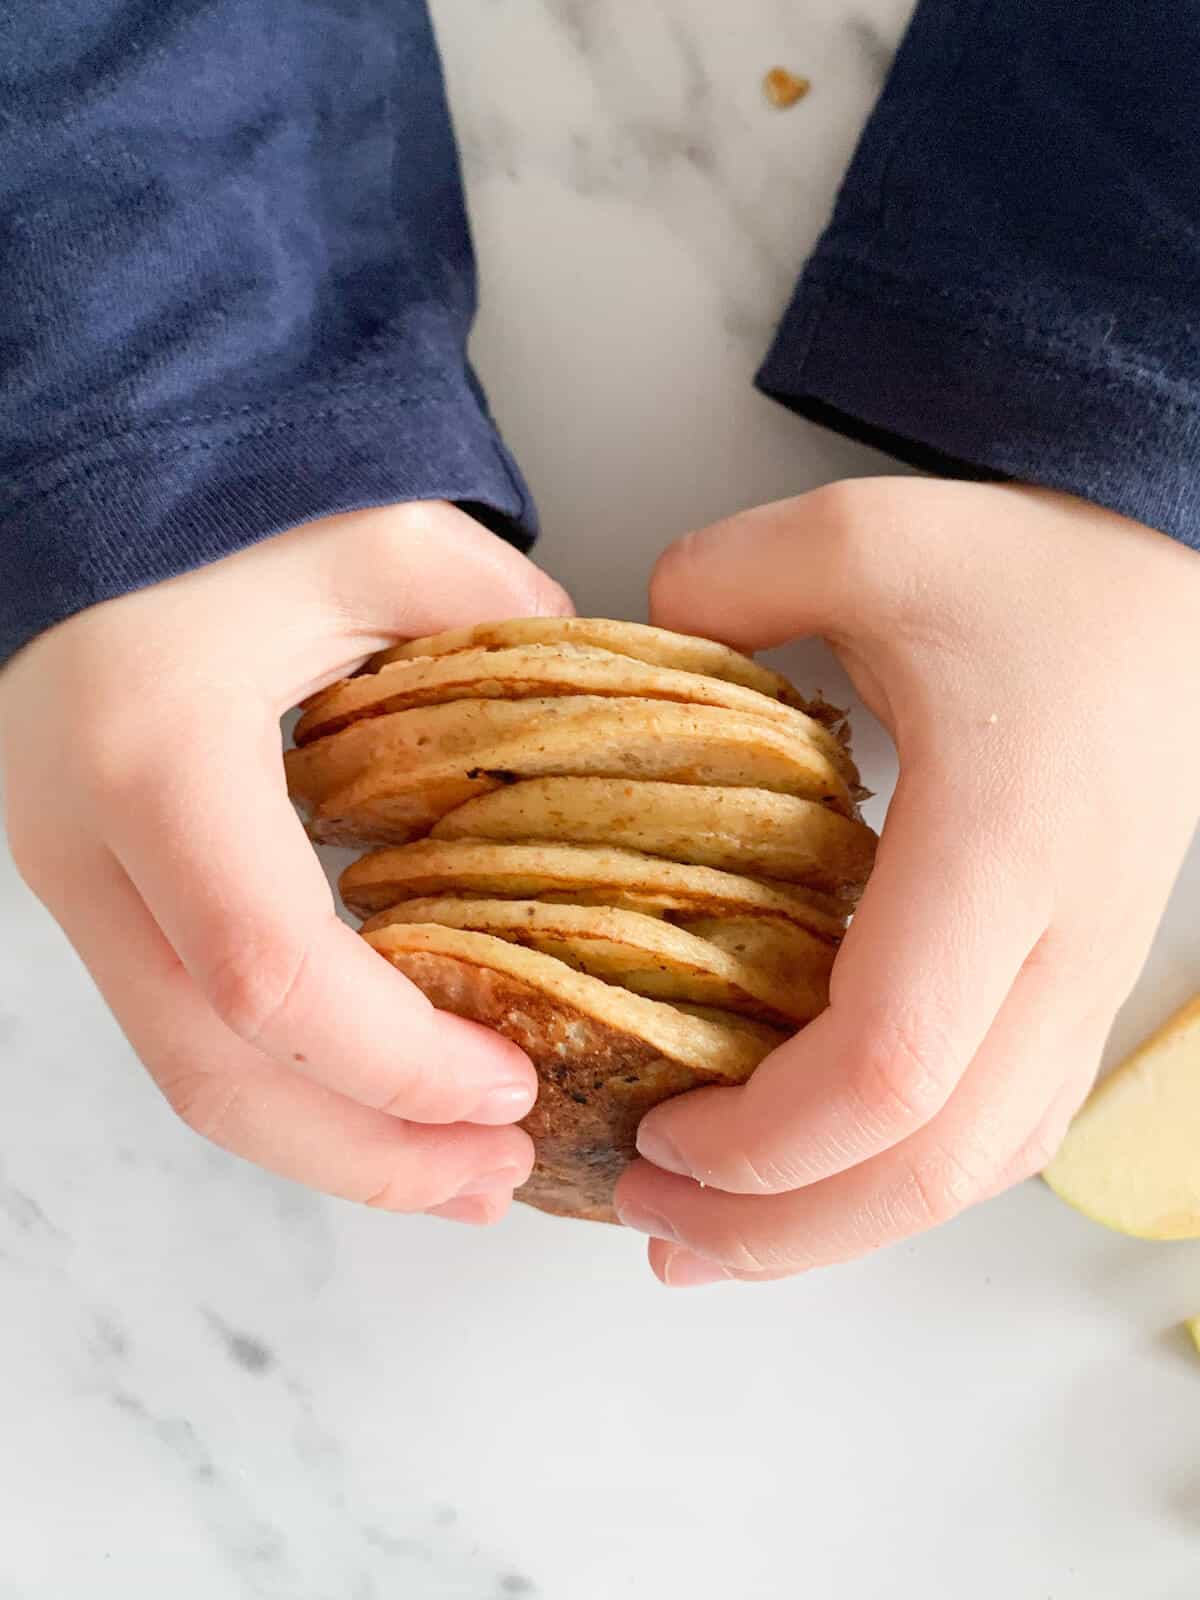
(972, 393)
(126, 512)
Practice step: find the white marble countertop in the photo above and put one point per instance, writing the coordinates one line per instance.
(213, 1385)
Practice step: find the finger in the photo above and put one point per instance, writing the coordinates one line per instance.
(405, 571)
(478, 1211)
(232, 1094)
(944, 928)
(679, 1267)
(1038, 1150)
(1023, 1076)
(788, 566)
(210, 841)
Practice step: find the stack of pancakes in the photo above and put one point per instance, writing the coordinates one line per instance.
(630, 851)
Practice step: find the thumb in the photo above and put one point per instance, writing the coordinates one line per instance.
(407, 570)
(312, 603)
(775, 573)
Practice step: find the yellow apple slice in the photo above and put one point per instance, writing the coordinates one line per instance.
(1193, 1327)
(1131, 1158)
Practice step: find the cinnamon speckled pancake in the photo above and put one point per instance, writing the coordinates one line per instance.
(775, 950)
(540, 671)
(604, 1057)
(655, 646)
(767, 1037)
(648, 956)
(577, 875)
(389, 779)
(747, 831)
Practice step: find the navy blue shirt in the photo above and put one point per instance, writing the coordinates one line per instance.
(236, 278)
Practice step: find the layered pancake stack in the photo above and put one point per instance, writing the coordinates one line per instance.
(630, 851)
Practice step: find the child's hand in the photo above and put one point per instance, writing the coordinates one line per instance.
(147, 809)
(1037, 662)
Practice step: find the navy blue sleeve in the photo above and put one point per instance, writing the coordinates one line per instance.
(236, 284)
(1010, 285)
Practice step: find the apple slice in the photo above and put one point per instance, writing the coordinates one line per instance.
(1193, 1327)
(1131, 1158)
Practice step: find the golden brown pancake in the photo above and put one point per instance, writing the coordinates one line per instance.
(577, 875)
(751, 832)
(540, 671)
(604, 1057)
(655, 646)
(389, 779)
(788, 983)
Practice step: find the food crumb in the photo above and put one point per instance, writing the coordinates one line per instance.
(993, 717)
(783, 88)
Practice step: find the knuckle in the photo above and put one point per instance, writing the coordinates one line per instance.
(903, 1076)
(419, 1177)
(739, 1255)
(203, 1101)
(383, 531)
(838, 507)
(881, 550)
(410, 1187)
(54, 863)
(942, 1185)
(398, 1193)
(27, 856)
(397, 540)
(418, 1092)
(669, 579)
(549, 598)
(423, 1084)
(1037, 1152)
(842, 511)
(761, 1172)
(252, 985)
(742, 1251)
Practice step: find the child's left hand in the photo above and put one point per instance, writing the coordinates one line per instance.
(1037, 662)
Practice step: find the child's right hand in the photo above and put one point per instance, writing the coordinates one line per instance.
(147, 809)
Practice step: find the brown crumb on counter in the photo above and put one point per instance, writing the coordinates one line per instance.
(783, 88)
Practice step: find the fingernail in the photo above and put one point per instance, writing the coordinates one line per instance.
(656, 1147)
(506, 1103)
(473, 1211)
(643, 1221)
(490, 1182)
(683, 1270)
